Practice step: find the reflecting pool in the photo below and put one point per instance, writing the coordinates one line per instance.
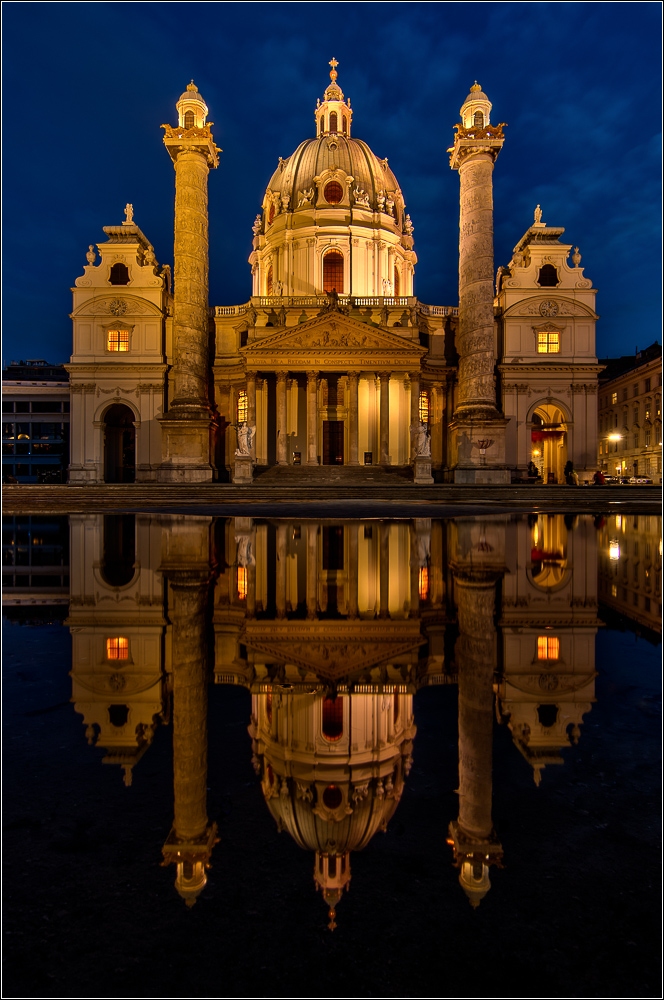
(453, 725)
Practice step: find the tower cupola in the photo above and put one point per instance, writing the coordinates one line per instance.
(192, 109)
(476, 109)
(333, 116)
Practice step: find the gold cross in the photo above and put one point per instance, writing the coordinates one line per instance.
(333, 72)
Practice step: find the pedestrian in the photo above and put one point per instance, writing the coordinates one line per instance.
(598, 479)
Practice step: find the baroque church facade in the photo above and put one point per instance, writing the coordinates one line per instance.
(333, 360)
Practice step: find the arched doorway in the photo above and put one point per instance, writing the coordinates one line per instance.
(119, 445)
(548, 442)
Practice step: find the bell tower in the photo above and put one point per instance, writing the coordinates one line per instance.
(478, 429)
(187, 427)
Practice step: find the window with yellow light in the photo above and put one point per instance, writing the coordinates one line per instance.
(117, 648)
(548, 647)
(117, 340)
(548, 342)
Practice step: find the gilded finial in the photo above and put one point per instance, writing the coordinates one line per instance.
(475, 87)
(333, 72)
(332, 914)
(192, 86)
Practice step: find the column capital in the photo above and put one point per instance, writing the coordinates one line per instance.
(282, 376)
(312, 376)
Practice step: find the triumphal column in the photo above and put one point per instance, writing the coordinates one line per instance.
(477, 432)
(187, 426)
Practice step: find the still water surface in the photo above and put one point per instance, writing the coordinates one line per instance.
(227, 738)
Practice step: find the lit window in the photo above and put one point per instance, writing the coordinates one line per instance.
(424, 407)
(117, 649)
(333, 121)
(548, 647)
(548, 343)
(117, 340)
(424, 583)
(614, 549)
(333, 272)
(647, 411)
(478, 119)
(242, 582)
(614, 590)
(189, 119)
(614, 397)
(242, 406)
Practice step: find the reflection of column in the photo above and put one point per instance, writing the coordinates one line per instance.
(192, 837)
(251, 409)
(282, 562)
(312, 418)
(282, 429)
(312, 569)
(414, 408)
(353, 532)
(414, 575)
(352, 420)
(384, 570)
(475, 842)
(384, 418)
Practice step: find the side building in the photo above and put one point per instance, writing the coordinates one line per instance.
(630, 415)
(35, 422)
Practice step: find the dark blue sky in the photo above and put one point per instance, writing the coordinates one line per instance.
(87, 85)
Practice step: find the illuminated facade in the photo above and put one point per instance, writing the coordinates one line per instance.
(630, 415)
(630, 568)
(333, 360)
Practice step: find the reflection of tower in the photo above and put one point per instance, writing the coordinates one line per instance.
(117, 624)
(186, 428)
(548, 628)
(186, 564)
(475, 843)
(478, 430)
(332, 771)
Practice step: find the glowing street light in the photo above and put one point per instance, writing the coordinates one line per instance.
(614, 549)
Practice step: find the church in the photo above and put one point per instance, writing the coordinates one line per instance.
(332, 360)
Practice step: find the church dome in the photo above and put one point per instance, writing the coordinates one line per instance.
(330, 183)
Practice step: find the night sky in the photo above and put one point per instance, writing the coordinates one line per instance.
(87, 85)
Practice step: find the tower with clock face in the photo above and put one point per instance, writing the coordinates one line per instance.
(547, 364)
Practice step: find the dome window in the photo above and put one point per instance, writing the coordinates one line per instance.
(270, 215)
(269, 289)
(333, 272)
(333, 719)
(119, 274)
(344, 124)
(333, 121)
(548, 276)
(478, 119)
(189, 120)
(333, 193)
(332, 798)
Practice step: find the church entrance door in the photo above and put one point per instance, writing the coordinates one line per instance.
(119, 445)
(333, 442)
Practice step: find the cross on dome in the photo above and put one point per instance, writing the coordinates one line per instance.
(333, 72)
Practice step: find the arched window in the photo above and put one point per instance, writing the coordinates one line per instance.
(270, 215)
(333, 121)
(333, 719)
(119, 274)
(333, 272)
(344, 121)
(189, 120)
(397, 284)
(424, 407)
(548, 276)
(269, 285)
(242, 406)
(333, 192)
(478, 119)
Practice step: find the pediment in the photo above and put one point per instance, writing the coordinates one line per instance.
(564, 307)
(116, 306)
(333, 653)
(333, 337)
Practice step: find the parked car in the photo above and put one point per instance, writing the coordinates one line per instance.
(612, 480)
(640, 481)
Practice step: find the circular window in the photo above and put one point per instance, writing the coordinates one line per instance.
(333, 193)
(332, 797)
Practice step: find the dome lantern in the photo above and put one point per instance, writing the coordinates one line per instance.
(332, 114)
(192, 109)
(476, 109)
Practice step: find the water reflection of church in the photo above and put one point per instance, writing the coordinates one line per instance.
(333, 627)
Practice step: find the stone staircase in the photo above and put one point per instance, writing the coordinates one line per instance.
(351, 476)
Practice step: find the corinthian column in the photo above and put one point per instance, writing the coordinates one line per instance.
(384, 418)
(352, 419)
(282, 428)
(186, 427)
(312, 418)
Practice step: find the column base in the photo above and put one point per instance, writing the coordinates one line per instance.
(477, 450)
(483, 477)
(186, 448)
(244, 469)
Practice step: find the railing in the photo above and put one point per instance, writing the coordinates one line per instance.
(318, 301)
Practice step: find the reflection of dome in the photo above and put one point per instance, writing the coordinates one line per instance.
(330, 795)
